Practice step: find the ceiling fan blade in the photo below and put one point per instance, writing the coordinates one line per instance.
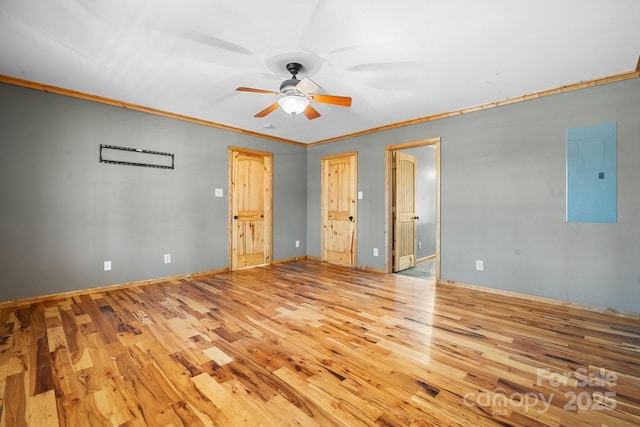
(306, 86)
(267, 110)
(343, 101)
(250, 89)
(311, 112)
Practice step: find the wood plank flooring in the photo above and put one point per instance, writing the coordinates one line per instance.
(308, 344)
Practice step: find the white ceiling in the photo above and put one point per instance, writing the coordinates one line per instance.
(399, 60)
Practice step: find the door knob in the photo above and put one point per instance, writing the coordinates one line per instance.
(416, 217)
(235, 217)
(351, 218)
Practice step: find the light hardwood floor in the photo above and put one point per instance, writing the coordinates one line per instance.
(308, 344)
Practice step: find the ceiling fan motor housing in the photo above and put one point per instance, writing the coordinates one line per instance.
(288, 85)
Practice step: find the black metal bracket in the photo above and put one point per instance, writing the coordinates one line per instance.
(136, 150)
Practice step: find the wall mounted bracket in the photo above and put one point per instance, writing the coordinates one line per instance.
(136, 157)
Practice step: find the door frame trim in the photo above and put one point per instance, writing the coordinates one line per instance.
(268, 212)
(388, 160)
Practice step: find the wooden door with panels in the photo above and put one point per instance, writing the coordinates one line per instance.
(404, 210)
(393, 226)
(250, 207)
(339, 208)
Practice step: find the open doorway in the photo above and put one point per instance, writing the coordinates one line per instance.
(413, 208)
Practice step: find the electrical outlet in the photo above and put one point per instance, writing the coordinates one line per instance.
(107, 266)
(297, 243)
(375, 251)
(479, 265)
(419, 245)
(167, 258)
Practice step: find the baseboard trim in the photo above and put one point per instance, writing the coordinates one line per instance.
(290, 259)
(424, 259)
(546, 300)
(146, 282)
(200, 274)
(370, 269)
(357, 267)
(114, 287)
(109, 288)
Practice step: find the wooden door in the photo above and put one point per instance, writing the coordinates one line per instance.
(339, 208)
(404, 211)
(250, 212)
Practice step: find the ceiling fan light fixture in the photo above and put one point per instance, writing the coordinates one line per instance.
(293, 104)
(295, 96)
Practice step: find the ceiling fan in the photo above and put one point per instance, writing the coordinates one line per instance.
(295, 95)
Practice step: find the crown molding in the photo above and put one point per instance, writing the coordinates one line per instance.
(567, 88)
(114, 102)
(129, 106)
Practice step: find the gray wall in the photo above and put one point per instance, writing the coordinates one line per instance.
(503, 198)
(425, 199)
(63, 213)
